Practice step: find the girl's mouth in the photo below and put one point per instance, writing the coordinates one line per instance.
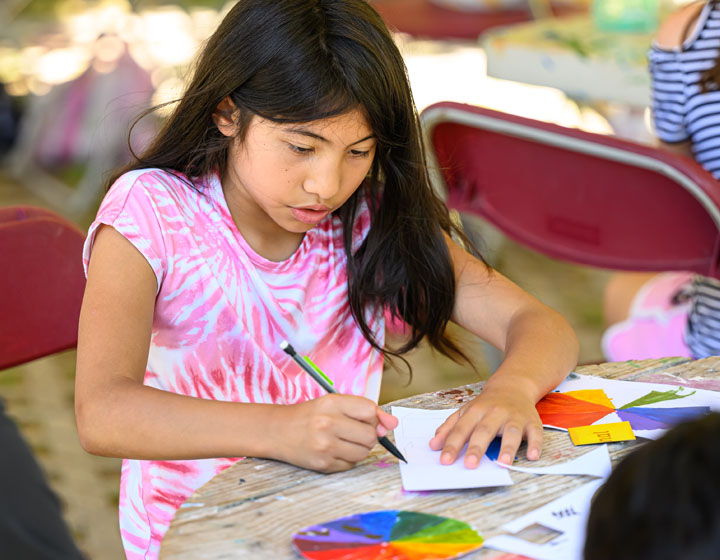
(311, 215)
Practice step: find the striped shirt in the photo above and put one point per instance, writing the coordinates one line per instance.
(703, 329)
(221, 311)
(681, 111)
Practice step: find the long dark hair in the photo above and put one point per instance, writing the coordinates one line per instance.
(303, 60)
(710, 78)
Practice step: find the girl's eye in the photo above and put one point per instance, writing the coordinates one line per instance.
(359, 153)
(299, 149)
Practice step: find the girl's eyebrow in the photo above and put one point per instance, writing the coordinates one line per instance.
(305, 132)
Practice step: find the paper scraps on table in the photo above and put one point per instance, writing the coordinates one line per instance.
(651, 408)
(423, 470)
(601, 433)
(388, 534)
(594, 463)
(566, 515)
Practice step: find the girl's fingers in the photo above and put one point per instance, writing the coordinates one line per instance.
(457, 437)
(481, 434)
(355, 433)
(438, 441)
(511, 440)
(351, 451)
(332, 465)
(386, 422)
(534, 441)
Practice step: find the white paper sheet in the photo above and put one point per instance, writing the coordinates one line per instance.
(625, 392)
(567, 515)
(423, 470)
(595, 463)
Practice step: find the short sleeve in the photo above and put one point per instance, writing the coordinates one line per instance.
(669, 94)
(131, 208)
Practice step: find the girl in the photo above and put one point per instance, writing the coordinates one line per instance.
(286, 198)
(675, 313)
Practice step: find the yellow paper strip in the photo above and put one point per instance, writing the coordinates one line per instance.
(596, 396)
(601, 433)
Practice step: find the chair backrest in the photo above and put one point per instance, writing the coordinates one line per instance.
(576, 196)
(422, 18)
(451, 20)
(41, 284)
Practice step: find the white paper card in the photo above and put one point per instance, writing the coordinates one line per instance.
(423, 470)
(595, 463)
(567, 515)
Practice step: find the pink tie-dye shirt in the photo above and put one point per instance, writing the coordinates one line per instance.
(221, 312)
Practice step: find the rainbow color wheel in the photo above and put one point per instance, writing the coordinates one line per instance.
(585, 407)
(387, 535)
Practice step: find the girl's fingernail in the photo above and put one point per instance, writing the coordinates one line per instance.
(533, 454)
(505, 459)
(471, 461)
(445, 458)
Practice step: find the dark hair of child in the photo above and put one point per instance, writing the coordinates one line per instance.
(662, 502)
(303, 60)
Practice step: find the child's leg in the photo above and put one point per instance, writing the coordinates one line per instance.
(646, 319)
(620, 292)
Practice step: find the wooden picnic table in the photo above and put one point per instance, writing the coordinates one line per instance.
(252, 509)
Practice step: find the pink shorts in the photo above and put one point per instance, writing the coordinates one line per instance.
(655, 327)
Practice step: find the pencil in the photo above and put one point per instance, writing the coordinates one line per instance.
(288, 349)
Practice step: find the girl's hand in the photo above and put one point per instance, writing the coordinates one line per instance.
(331, 433)
(496, 411)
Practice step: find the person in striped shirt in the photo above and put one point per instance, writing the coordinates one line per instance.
(675, 313)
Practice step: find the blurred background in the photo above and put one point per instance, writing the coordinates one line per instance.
(76, 73)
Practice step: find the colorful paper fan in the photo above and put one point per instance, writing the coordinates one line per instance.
(387, 535)
(659, 418)
(588, 406)
(574, 408)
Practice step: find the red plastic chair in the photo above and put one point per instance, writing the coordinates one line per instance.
(41, 284)
(576, 196)
(424, 19)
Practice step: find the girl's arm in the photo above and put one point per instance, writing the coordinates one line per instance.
(119, 416)
(540, 350)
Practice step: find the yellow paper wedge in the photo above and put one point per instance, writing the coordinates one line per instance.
(601, 433)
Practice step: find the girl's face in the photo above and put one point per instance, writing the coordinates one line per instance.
(285, 178)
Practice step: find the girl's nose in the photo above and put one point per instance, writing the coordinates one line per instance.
(324, 181)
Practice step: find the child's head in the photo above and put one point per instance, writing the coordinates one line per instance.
(293, 61)
(299, 61)
(662, 502)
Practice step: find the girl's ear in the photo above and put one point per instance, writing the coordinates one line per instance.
(223, 116)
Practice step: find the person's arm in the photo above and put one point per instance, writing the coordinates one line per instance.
(540, 351)
(679, 148)
(675, 29)
(119, 416)
(678, 26)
